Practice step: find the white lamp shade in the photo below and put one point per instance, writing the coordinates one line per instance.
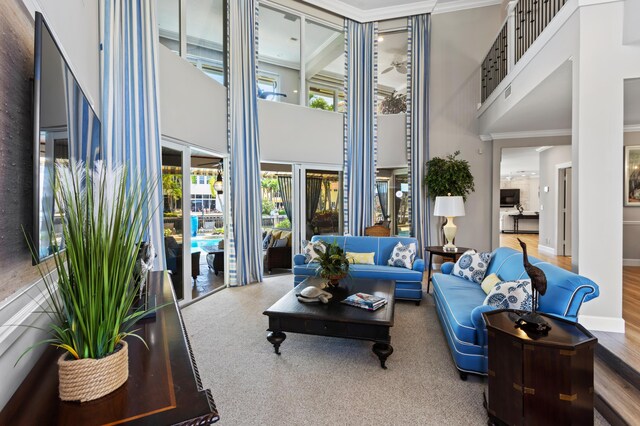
(451, 206)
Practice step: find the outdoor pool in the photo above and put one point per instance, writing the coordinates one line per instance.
(205, 243)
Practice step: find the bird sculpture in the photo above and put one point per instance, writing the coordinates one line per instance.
(538, 278)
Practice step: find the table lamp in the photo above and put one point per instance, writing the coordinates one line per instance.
(449, 207)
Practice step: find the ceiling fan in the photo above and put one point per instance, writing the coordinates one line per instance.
(400, 66)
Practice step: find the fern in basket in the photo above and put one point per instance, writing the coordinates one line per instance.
(104, 220)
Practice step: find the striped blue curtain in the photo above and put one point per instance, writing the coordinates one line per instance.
(418, 124)
(130, 116)
(245, 251)
(83, 125)
(361, 46)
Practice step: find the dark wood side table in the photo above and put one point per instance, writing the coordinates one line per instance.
(440, 251)
(215, 260)
(539, 380)
(163, 388)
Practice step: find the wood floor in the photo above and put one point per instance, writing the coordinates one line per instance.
(627, 345)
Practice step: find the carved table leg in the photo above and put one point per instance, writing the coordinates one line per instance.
(276, 338)
(383, 351)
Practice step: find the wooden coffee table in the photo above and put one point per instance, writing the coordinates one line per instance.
(336, 319)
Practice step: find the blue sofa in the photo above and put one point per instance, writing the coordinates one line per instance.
(408, 281)
(459, 303)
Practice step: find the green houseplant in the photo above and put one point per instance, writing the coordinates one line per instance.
(333, 262)
(448, 176)
(90, 302)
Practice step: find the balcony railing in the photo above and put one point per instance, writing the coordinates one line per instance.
(525, 22)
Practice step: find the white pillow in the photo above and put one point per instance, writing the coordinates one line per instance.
(511, 295)
(472, 266)
(403, 256)
(310, 254)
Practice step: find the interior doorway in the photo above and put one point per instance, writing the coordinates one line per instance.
(564, 210)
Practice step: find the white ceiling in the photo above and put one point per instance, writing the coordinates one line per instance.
(517, 162)
(377, 10)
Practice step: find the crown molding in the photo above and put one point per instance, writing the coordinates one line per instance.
(457, 5)
(378, 14)
(628, 128)
(398, 11)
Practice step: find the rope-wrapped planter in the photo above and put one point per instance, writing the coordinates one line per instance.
(88, 379)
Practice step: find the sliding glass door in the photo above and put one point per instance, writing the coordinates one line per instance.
(194, 189)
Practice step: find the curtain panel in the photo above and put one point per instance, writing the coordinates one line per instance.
(130, 116)
(418, 125)
(284, 184)
(383, 197)
(245, 251)
(360, 125)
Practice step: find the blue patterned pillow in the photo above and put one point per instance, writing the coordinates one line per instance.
(472, 266)
(266, 241)
(511, 295)
(403, 256)
(310, 254)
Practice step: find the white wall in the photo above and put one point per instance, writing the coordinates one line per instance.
(291, 133)
(459, 42)
(631, 33)
(392, 144)
(193, 107)
(549, 160)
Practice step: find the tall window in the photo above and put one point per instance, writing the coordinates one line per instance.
(205, 36)
(203, 33)
(392, 72)
(169, 24)
(324, 66)
(279, 55)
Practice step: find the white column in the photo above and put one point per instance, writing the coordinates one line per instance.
(511, 35)
(598, 97)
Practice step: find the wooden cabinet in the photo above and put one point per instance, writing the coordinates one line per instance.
(539, 380)
(163, 388)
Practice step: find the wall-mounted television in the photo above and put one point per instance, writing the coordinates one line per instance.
(65, 127)
(509, 197)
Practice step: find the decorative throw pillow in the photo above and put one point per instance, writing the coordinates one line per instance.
(266, 241)
(472, 266)
(287, 235)
(310, 254)
(511, 295)
(361, 258)
(275, 236)
(489, 282)
(282, 242)
(403, 256)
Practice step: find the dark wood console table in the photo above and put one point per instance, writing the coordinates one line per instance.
(163, 388)
(518, 217)
(539, 380)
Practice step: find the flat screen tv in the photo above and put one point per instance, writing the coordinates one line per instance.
(65, 127)
(509, 197)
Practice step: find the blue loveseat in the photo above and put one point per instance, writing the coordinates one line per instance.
(408, 281)
(459, 303)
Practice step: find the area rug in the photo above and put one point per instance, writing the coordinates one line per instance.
(324, 380)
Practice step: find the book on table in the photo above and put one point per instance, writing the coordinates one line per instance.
(365, 301)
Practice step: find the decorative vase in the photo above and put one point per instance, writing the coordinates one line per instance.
(334, 280)
(88, 379)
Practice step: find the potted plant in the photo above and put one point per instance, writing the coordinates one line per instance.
(91, 301)
(448, 176)
(333, 262)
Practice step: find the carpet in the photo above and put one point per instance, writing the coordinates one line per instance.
(323, 380)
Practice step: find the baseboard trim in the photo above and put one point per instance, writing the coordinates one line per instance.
(597, 323)
(630, 262)
(547, 250)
